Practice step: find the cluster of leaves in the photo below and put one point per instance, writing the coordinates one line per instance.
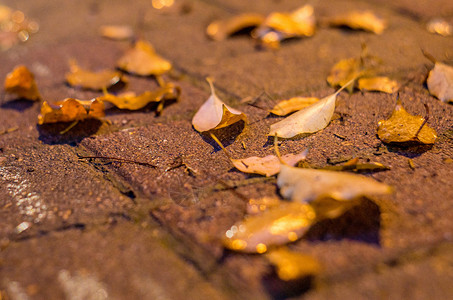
(139, 60)
(15, 27)
(277, 26)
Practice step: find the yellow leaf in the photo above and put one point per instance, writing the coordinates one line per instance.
(440, 82)
(215, 114)
(403, 127)
(92, 80)
(344, 71)
(291, 105)
(268, 166)
(274, 227)
(117, 32)
(364, 20)
(132, 101)
(220, 30)
(380, 84)
(21, 82)
(440, 26)
(291, 265)
(70, 110)
(143, 60)
(307, 185)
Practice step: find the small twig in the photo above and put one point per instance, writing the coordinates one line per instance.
(424, 121)
(5, 131)
(220, 144)
(73, 124)
(429, 56)
(119, 159)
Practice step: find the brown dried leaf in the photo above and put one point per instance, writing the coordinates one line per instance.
(131, 101)
(269, 165)
(274, 227)
(117, 32)
(92, 80)
(215, 114)
(21, 82)
(353, 165)
(440, 26)
(380, 84)
(308, 185)
(291, 105)
(143, 60)
(70, 110)
(344, 71)
(440, 82)
(403, 127)
(364, 20)
(220, 30)
(291, 265)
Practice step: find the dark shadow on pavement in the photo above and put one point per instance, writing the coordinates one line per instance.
(51, 133)
(18, 104)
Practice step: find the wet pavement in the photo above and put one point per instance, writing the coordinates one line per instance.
(74, 228)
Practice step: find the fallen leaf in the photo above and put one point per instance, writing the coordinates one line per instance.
(143, 60)
(215, 114)
(258, 205)
(440, 82)
(117, 32)
(274, 227)
(279, 26)
(403, 127)
(440, 26)
(21, 82)
(268, 166)
(308, 120)
(364, 20)
(131, 101)
(291, 265)
(291, 105)
(328, 208)
(220, 30)
(70, 110)
(92, 80)
(308, 185)
(344, 71)
(353, 165)
(379, 84)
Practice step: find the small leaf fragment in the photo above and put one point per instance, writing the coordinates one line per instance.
(69, 110)
(286, 107)
(440, 82)
(116, 32)
(308, 120)
(364, 20)
(379, 84)
(403, 127)
(291, 265)
(269, 165)
(440, 26)
(92, 80)
(143, 60)
(220, 30)
(131, 101)
(215, 114)
(21, 82)
(274, 227)
(307, 185)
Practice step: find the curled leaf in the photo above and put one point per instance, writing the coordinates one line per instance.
(70, 110)
(440, 26)
(215, 114)
(280, 26)
(440, 82)
(291, 105)
(307, 185)
(258, 205)
(92, 80)
(379, 84)
(364, 20)
(291, 265)
(131, 101)
(403, 127)
(308, 120)
(268, 166)
(117, 32)
(274, 227)
(143, 60)
(220, 30)
(21, 82)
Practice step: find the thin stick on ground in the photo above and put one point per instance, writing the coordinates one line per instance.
(119, 159)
